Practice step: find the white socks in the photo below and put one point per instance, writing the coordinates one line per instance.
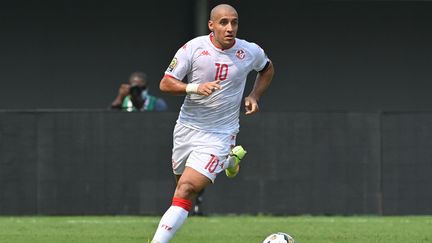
(172, 220)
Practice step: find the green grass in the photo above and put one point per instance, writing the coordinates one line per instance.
(247, 229)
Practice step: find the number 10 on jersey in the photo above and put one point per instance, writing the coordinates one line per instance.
(221, 71)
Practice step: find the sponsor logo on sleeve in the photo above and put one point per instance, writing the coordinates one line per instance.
(172, 65)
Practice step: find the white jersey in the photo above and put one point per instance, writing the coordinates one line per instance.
(201, 62)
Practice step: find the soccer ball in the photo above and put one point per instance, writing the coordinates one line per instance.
(279, 237)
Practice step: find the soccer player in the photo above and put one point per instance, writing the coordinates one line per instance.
(216, 66)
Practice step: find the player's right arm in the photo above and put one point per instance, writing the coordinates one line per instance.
(173, 86)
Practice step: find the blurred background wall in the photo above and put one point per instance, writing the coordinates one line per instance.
(328, 55)
(102, 162)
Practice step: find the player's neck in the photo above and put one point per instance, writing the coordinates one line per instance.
(218, 44)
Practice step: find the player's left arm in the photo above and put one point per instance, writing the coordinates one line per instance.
(262, 82)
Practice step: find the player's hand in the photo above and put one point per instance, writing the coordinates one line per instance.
(209, 88)
(251, 105)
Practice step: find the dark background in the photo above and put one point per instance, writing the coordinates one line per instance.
(328, 55)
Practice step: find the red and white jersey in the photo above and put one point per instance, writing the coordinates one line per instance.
(201, 62)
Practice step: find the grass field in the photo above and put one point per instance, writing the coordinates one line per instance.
(239, 229)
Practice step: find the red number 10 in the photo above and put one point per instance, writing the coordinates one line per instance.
(221, 71)
(212, 164)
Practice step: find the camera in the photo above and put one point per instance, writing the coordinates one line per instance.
(135, 90)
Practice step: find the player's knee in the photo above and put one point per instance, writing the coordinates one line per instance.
(186, 190)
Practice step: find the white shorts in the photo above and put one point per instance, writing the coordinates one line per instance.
(206, 152)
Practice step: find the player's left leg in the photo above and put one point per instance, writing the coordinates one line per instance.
(190, 183)
(234, 159)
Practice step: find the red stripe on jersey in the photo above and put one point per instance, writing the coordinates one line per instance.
(169, 76)
(183, 203)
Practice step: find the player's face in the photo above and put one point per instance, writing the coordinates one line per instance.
(224, 26)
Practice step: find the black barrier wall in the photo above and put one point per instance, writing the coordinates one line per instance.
(407, 162)
(99, 162)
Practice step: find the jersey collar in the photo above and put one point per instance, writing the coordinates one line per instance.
(211, 41)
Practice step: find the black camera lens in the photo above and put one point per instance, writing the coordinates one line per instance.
(135, 90)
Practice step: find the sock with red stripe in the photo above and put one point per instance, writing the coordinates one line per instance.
(172, 220)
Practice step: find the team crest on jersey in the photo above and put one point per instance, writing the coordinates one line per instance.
(240, 54)
(172, 65)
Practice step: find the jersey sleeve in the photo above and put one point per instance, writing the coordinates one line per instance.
(261, 58)
(180, 65)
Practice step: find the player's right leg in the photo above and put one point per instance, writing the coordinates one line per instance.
(234, 159)
(198, 157)
(189, 185)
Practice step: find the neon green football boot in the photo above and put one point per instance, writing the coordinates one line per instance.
(237, 153)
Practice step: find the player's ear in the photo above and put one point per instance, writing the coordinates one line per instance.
(210, 25)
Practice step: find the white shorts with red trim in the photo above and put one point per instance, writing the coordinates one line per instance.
(205, 152)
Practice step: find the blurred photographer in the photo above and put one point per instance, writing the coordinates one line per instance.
(134, 96)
